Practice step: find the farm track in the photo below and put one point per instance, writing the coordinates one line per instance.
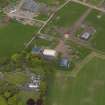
(79, 22)
(43, 26)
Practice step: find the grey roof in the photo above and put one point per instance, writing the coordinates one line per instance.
(64, 62)
(30, 5)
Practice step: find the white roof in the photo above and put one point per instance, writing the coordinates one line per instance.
(86, 35)
(33, 86)
(49, 52)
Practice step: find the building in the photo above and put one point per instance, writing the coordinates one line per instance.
(86, 35)
(36, 50)
(49, 53)
(30, 5)
(35, 82)
(65, 63)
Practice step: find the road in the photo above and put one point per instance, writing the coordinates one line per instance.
(89, 5)
(52, 15)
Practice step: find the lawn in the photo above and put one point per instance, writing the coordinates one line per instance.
(13, 36)
(87, 88)
(97, 20)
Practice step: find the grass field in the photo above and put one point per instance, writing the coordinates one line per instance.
(65, 18)
(95, 2)
(13, 36)
(17, 78)
(97, 20)
(51, 2)
(86, 89)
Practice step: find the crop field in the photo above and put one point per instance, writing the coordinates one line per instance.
(97, 20)
(65, 17)
(86, 89)
(13, 36)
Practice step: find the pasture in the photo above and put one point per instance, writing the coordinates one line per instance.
(13, 37)
(85, 89)
(97, 20)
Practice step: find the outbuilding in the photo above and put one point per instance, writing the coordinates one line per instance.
(65, 63)
(37, 50)
(49, 53)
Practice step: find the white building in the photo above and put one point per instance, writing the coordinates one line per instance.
(49, 53)
(86, 35)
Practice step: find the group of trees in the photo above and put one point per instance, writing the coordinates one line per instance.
(19, 62)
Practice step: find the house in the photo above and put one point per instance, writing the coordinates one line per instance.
(65, 63)
(49, 53)
(36, 50)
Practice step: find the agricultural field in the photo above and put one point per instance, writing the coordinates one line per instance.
(86, 89)
(97, 19)
(13, 37)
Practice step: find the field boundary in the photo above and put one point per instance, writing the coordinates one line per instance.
(79, 66)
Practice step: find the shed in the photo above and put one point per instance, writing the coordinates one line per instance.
(65, 63)
(86, 35)
(36, 50)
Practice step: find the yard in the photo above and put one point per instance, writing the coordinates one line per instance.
(86, 89)
(13, 36)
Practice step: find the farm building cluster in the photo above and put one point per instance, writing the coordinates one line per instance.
(33, 83)
(28, 11)
(50, 54)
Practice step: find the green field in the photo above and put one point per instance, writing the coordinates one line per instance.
(95, 2)
(65, 18)
(13, 36)
(98, 40)
(51, 2)
(88, 88)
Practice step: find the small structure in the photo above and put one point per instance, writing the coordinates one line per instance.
(65, 63)
(35, 82)
(36, 50)
(66, 35)
(86, 35)
(49, 53)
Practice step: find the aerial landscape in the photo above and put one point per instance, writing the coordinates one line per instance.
(52, 52)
